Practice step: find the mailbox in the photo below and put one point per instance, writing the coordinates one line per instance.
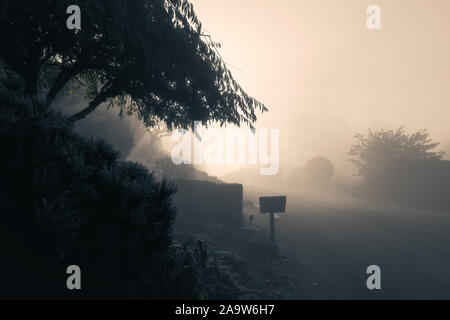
(272, 204)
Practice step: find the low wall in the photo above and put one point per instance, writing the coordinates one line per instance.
(220, 203)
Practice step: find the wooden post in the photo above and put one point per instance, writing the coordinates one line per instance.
(272, 227)
(271, 205)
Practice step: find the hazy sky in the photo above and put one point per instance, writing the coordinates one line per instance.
(324, 75)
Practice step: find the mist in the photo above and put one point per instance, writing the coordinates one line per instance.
(229, 150)
(324, 75)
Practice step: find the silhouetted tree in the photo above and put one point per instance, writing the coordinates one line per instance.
(374, 150)
(318, 173)
(148, 56)
(69, 199)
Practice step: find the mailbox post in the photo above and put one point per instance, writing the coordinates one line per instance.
(272, 226)
(272, 205)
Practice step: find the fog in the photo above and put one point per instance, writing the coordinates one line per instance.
(338, 191)
(324, 75)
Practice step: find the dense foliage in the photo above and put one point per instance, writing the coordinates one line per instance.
(373, 151)
(148, 56)
(68, 200)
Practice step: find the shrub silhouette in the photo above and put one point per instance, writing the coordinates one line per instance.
(373, 151)
(66, 199)
(318, 173)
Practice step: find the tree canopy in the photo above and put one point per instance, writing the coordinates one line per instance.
(373, 150)
(150, 57)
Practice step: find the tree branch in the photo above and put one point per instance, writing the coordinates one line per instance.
(99, 99)
(61, 80)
